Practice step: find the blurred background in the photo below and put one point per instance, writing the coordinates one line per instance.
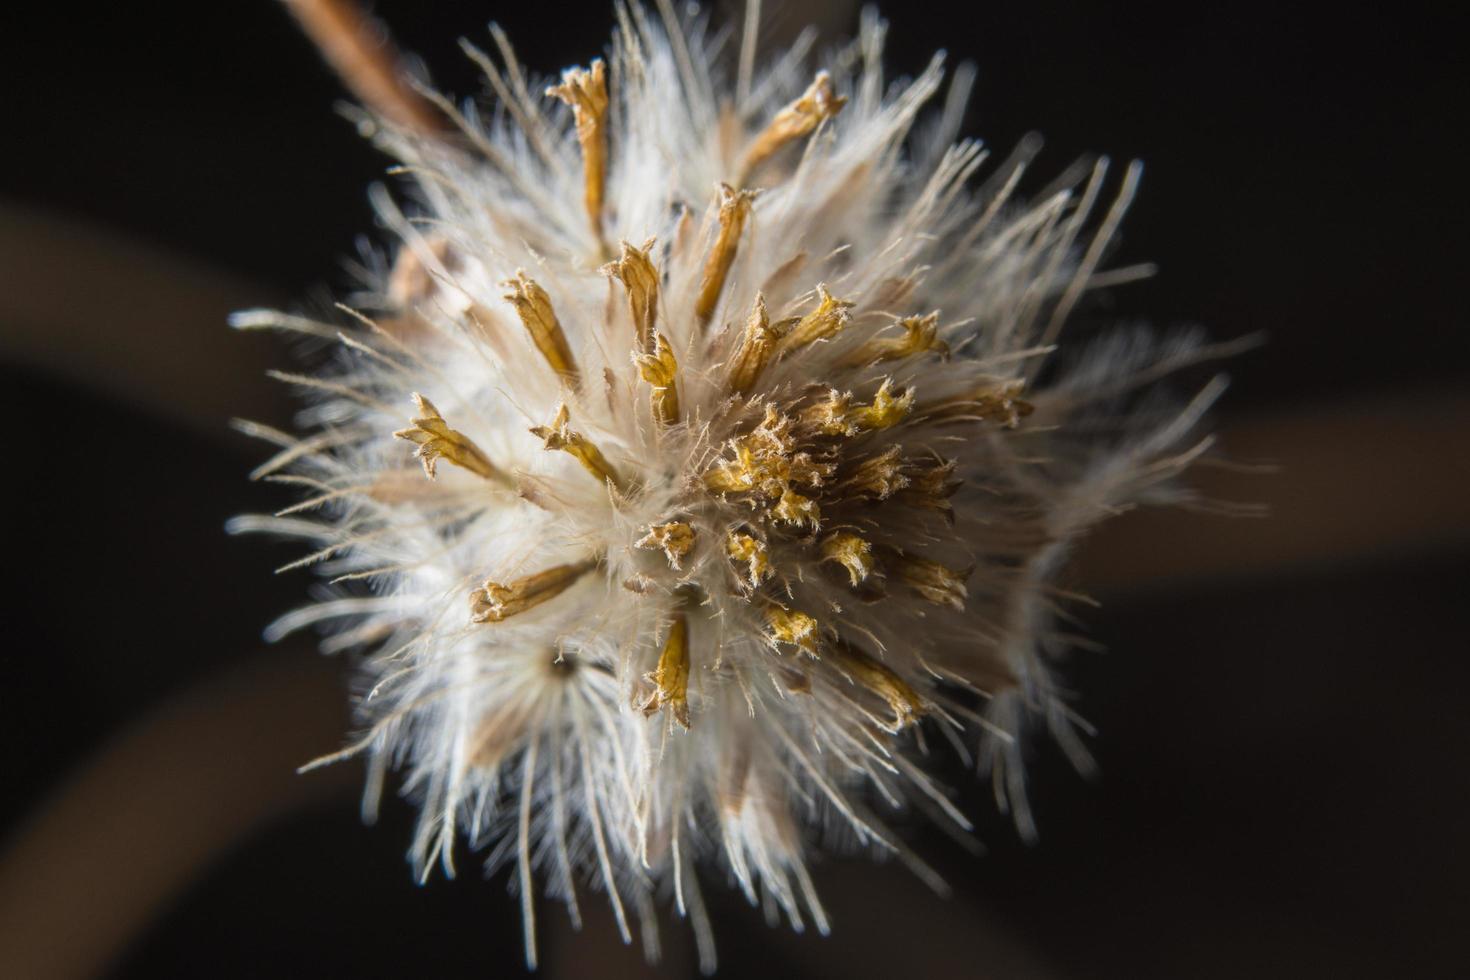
(1280, 702)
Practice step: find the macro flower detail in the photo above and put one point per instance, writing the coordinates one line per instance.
(731, 522)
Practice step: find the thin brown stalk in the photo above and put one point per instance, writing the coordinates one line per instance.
(366, 59)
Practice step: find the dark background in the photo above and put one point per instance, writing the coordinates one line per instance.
(1282, 734)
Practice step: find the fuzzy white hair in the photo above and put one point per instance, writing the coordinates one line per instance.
(713, 528)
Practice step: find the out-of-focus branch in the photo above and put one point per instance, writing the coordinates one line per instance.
(145, 326)
(1370, 478)
(151, 812)
(361, 52)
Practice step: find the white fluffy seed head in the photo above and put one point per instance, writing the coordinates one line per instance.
(692, 454)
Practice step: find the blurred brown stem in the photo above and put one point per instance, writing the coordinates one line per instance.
(1352, 481)
(155, 807)
(363, 55)
(145, 326)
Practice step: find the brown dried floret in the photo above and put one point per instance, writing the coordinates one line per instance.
(734, 210)
(586, 92)
(671, 678)
(920, 335)
(560, 435)
(792, 626)
(635, 270)
(931, 580)
(757, 347)
(995, 402)
(882, 680)
(494, 602)
(675, 539)
(746, 548)
(852, 552)
(436, 441)
(875, 477)
(661, 371)
(931, 483)
(836, 415)
(533, 306)
(822, 323)
(798, 119)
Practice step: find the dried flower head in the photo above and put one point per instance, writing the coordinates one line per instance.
(665, 555)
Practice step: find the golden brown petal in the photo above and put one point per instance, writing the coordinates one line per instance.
(886, 410)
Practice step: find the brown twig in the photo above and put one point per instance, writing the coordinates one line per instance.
(1356, 480)
(140, 324)
(360, 50)
(153, 809)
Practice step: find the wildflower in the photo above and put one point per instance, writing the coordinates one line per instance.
(730, 513)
